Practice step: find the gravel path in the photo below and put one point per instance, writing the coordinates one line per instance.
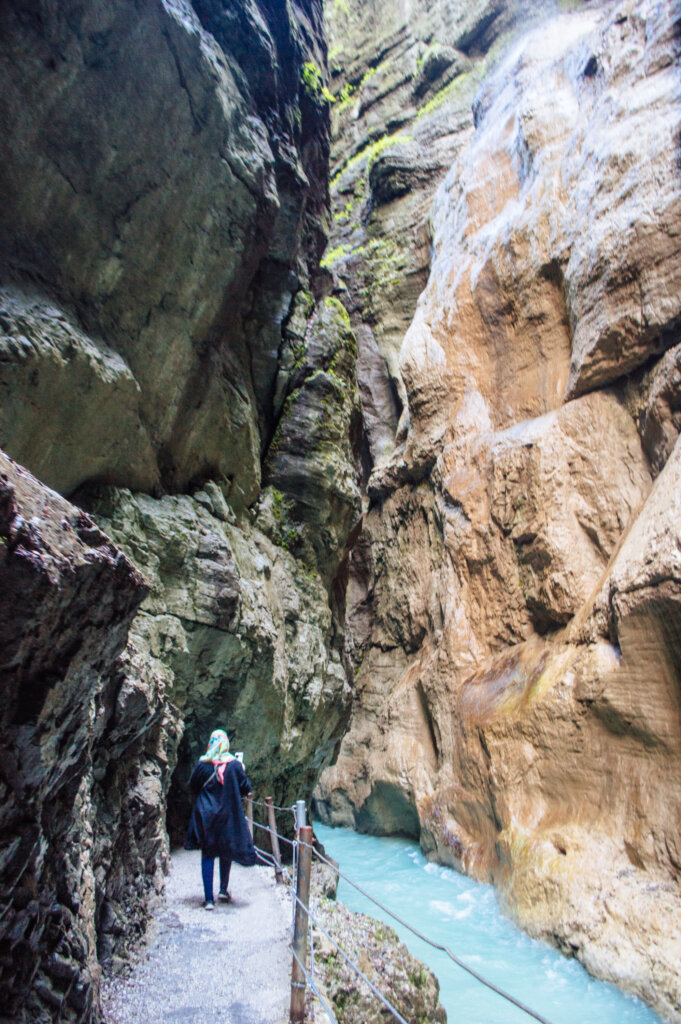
(231, 966)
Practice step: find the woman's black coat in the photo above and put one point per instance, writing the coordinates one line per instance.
(218, 824)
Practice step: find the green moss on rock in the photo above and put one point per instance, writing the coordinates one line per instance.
(310, 461)
(313, 83)
(406, 982)
(334, 256)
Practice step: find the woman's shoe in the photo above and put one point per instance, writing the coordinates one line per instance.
(224, 896)
(209, 905)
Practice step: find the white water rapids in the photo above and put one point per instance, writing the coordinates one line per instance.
(464, 915)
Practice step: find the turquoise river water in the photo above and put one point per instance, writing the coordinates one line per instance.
(464, 915)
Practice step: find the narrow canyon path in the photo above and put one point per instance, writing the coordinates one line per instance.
(231, 966)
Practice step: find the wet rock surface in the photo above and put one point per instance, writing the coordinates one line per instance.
(404, 981)
(167, 189)
(512, 598)
(67, 598)
(311, 458)
(501, 293)
(165, 169)
(233, 622)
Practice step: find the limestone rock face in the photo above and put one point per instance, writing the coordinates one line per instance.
(243, 632)
(408, 984)
(164, 178)
(521, 305)
(405, 80)
(512, 600)
(653, 395)
(165, 347)
(45, 354)
(83, 764)
(312, 455)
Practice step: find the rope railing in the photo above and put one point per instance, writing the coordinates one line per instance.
(303, 906)
(303, 920)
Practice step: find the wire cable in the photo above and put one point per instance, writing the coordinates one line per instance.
(260, 803)
(266, 828)
(351, 963)
(431, 942)
(294, 869)
(313, 920)
(313, 988)
(269, 859)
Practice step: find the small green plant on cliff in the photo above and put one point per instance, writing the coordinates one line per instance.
(278, 506)
(341, 368)
(359, 191)
(418, 979)
(368, 74)
(459, 86)
(346, 94)
(313, 83)
(334, 256)
(336, 378)
(286, 531)
(385, 143)
(370, 153)
(288, 538)
(349, 90)
(341, 315)
(384, 268)
(299, 353)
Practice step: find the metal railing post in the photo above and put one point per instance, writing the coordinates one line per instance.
(249, 813)
(274, 839)
(300, 814)
(300, 933)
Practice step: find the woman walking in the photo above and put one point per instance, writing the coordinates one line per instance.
(218, 824)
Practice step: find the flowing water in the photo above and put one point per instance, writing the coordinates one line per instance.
(464, 915)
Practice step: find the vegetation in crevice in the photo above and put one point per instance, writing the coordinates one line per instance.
(370, 153)
(313, 83)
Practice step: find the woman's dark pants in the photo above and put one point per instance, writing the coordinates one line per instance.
(207, 864)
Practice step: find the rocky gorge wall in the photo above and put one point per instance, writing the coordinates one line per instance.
(169, 362)
(506, 199)
(486, 366)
